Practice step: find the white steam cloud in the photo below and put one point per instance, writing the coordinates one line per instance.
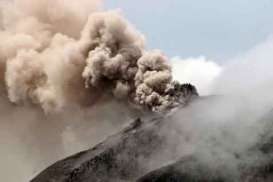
(220, 127)
(198, 71)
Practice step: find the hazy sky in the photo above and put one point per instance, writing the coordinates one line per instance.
(218, 29)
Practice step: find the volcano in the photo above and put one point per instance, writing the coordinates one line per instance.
(136, 152)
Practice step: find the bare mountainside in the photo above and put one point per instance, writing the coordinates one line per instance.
(159, 149)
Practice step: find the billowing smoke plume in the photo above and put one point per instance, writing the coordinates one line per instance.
(55, 57)
(69, 59)
(65, 56)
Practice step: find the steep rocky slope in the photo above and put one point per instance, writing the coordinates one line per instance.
(142, 153)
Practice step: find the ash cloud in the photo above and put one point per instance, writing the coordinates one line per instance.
(63, 65)
(55, 57)
(68, 59)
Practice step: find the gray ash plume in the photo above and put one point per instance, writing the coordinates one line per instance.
(50, 67)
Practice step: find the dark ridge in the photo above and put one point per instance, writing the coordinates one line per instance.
(185, 170)
(124, 156)
(116, 158)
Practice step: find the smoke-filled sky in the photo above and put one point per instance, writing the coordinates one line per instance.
(216, 29)
(48, 70)
(202, 37)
